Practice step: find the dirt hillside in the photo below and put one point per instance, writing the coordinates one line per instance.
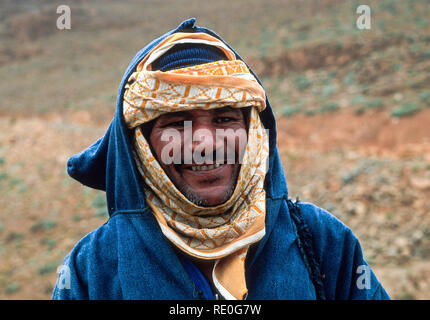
(352, 108)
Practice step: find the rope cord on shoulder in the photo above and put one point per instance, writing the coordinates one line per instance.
(306, 248)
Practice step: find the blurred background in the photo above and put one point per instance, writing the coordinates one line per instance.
(353, 110)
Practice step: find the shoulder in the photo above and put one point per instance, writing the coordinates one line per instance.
(319, 216)
(340, 256)
(324, 225)
(85, 262)
(333, 240)
(97, 242)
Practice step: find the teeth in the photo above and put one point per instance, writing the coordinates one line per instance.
(204, 168)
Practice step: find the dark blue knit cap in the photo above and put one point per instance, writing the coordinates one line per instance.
(186, 55)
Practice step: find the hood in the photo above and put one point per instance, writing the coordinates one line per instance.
(108, 164)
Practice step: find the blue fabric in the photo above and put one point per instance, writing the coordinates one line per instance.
(129, 258)
(202, 285)
(186, 55)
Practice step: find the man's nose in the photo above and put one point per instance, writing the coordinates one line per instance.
(202, 144)
(204, 140)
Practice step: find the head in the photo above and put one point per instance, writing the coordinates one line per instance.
(192, 141)
(199, 150)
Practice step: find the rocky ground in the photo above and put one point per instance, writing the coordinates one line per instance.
(352, 107)
(379, 189)
(380, 192)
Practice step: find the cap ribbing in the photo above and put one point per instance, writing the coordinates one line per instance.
(187, 55)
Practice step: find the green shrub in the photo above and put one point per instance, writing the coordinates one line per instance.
(302, 82)
(12, 288)
(77, 217)
(100, 204)
(349, 78)
(328, 90)
(426, 54)
(102, 213)
(375, 104)
(405, 110)
(43, 225)
(310, 112)
(290, 110)
(329, 107)
(421, 22)
(14, 181)
(407, 296)
(425, 97)
(50, 243)
(99, 201)
(371, 104)
(16, 237)
(358, 100)
(395, 67)
(302, 36)
(48, 267)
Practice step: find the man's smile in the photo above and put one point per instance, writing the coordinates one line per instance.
(204, 168)
(206, 180)
(201, 176)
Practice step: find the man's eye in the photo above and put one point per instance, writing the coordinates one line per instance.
(176, 124)
(224, 119)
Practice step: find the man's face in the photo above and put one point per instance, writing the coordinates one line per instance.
(208, 146)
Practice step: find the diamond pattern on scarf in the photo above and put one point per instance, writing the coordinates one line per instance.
(222, 232)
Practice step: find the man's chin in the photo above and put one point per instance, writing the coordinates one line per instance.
(205, 188)
(208, 198)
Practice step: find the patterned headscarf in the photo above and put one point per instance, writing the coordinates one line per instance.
(224, 232)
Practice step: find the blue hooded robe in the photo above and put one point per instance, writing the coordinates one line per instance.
(307, 253)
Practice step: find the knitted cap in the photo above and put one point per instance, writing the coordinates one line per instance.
(187, 55)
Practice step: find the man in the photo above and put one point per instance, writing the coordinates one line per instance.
(196, 193)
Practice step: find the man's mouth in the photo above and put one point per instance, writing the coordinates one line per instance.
(200, 182)
(204, 167)
(202, 175)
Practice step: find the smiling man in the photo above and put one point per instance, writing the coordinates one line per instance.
(208, 160)
(196, 194)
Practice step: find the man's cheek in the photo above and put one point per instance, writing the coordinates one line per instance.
(169, 147)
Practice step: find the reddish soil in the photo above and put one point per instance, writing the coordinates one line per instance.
(377, 134)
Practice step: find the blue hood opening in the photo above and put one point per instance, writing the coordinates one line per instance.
(108, 164)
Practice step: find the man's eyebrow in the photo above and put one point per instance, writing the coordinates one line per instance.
(226, 109)
(187, 113)
(176, 114)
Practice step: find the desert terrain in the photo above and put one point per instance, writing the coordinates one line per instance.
(352, 107)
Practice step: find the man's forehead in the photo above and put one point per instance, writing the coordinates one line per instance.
(201, 112)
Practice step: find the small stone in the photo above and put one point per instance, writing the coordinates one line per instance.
(420, 183)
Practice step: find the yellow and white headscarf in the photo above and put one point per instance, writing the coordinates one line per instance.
(223, 232)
